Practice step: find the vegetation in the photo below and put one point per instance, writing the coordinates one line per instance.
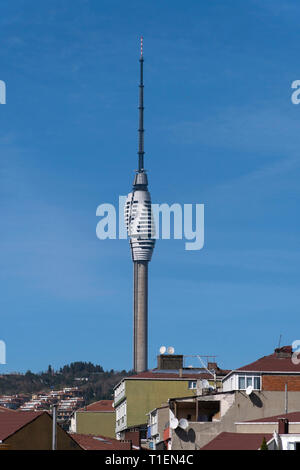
(95, 383)
(264, 445)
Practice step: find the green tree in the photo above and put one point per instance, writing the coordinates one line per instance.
(264, 445)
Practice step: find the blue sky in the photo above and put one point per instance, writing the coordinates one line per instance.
(220, 130)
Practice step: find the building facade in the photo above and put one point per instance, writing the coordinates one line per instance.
(275, 372)
(266, 387)
(97, 419)
(30, 430)
(137, 395)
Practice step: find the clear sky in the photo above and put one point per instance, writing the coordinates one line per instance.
(220, 130)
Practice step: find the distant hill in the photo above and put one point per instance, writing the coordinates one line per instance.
(95, 383)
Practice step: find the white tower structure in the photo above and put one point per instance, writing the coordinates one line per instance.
(141, 232)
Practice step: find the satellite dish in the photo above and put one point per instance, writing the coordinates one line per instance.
(205, 383)
(249, 390)
(171, 350)
(183, 423)
(174, 423)
(162, 349)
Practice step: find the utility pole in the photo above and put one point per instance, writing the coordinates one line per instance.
(54, 427)
(286, 398)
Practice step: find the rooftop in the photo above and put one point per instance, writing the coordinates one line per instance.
(279, 361)
(292, 417)
(90, 442)
(12, 421)
(176, 374)
(102, 405)
(237, 441)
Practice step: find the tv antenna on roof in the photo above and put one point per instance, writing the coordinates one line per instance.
(204, 366)
(171, 350)
(279, 341)
(162, 349)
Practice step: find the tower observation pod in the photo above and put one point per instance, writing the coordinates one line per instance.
(141, 233)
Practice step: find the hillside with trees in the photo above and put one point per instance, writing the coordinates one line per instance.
(95, 383)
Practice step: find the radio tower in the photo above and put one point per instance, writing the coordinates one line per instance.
(141, 232)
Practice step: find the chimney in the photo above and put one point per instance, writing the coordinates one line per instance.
(283, 426)
(134, 437)
(284, 352)
(170, 362)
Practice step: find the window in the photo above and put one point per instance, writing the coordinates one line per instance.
(241, 383)
(256, 385)
(192, 383)
(249, 381)
(293, 445)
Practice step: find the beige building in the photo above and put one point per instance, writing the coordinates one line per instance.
(261, 389)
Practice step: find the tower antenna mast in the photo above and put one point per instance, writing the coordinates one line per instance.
(141, 112)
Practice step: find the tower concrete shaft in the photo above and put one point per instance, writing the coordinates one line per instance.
(140, 308)
(141, 231)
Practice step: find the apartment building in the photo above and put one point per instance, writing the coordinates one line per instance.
(274, 372)
(137, 395)
(266, 387)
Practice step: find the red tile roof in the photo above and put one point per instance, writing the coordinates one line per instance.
(274, 362)
(102, 405)
(90, 442)
(292, 417)
(236, 441)
(10, 422)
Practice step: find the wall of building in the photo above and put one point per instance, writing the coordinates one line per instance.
(277, 382)
(162, 421)
(286, 441)
(267, 428)
(258, 428)
(96, 422)
(157, 429)
(144, 395)
(37, 435)
(243, 408)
